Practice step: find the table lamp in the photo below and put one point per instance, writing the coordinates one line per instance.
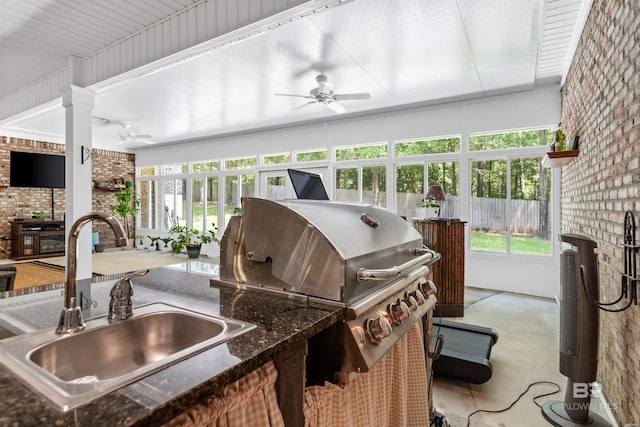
(438, 194)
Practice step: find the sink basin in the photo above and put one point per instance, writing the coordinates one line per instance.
(71, 370)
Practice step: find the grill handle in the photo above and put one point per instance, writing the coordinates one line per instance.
(395, 271)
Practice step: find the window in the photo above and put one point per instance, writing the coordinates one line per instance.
(427, 146)
(530, 207)
(275, 187)
(235, 188)
(174, 202)
(372, 151)
(204, 202)
(311, 156)
(508, 210)
(148, 203)
(276, 159)
(447, 176)
(240, 163)
(488, 206)
(205, 166)
(365, 184)
(411, 186)
(347, 185)
(520, 139)
(510, 206)
(174, 169)
(149, 171)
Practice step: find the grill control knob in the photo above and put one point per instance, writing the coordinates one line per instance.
(428, 288)
(418, 296)
(411, 302)
(377, 329)
(399, 311)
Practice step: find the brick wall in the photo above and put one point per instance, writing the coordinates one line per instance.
(107, 165)
(601, 104)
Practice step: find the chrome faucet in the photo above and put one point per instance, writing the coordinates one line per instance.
(121, 306)
(71, 316)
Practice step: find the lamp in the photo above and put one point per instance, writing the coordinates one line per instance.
(437, 193)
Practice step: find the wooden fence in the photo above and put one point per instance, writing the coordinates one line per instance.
(487, 214)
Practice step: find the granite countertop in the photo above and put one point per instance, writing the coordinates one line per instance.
(281, 324)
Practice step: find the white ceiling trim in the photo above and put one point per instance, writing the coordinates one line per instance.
(575, 38)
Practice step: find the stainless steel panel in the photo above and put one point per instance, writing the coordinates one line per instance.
(315, 247)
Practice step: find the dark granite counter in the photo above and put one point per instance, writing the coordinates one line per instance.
(282, 325)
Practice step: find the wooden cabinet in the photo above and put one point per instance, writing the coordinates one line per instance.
(447, 238)
(37, 239)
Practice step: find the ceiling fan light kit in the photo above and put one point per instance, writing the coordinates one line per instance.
(323, 94)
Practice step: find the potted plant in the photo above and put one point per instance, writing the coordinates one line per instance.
(127, 206)
(190, 239)
(428, 208)
(154, 241)
(166, 240)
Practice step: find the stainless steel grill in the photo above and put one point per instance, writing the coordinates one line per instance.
(363, 257)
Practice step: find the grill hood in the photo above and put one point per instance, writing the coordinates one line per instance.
(330, 250)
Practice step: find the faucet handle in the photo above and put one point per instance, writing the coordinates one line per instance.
(138, 273)
(121, 306)
(121, 291)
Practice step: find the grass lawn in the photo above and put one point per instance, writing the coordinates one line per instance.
(488, 242)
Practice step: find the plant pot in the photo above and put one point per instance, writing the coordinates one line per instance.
(99, 247)
(128, 246)
(193, 251)
(426, 213)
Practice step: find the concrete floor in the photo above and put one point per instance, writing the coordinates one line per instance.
(526, 352)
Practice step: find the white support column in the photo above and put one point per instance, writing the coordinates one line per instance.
(78, 103)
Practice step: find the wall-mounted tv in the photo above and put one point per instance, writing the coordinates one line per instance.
(36, 170)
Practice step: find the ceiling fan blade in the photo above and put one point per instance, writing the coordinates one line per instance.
(143, 136)
(297, 96)
(144, 141)
(298, 74)
(300, 107)
(343, 96)
(335, 107)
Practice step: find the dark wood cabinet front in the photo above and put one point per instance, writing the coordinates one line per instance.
(447, 238)
(37, 239)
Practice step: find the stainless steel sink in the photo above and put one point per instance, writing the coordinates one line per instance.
(71, 370)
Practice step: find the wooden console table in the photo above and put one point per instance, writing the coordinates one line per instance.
(447, 238)
(33, 238)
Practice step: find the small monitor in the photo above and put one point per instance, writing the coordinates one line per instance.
(307, 185)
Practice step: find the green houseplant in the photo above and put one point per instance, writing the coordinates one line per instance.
(429, 202)
(428, 208)
(190, 239)
(127, 206)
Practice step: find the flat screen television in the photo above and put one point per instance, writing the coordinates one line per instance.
(36, 170)
(307, 185)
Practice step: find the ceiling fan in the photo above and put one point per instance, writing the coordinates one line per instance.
(324, 94)
(127, 135)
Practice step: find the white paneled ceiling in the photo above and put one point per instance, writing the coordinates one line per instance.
(36, 36)
(401, 52)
